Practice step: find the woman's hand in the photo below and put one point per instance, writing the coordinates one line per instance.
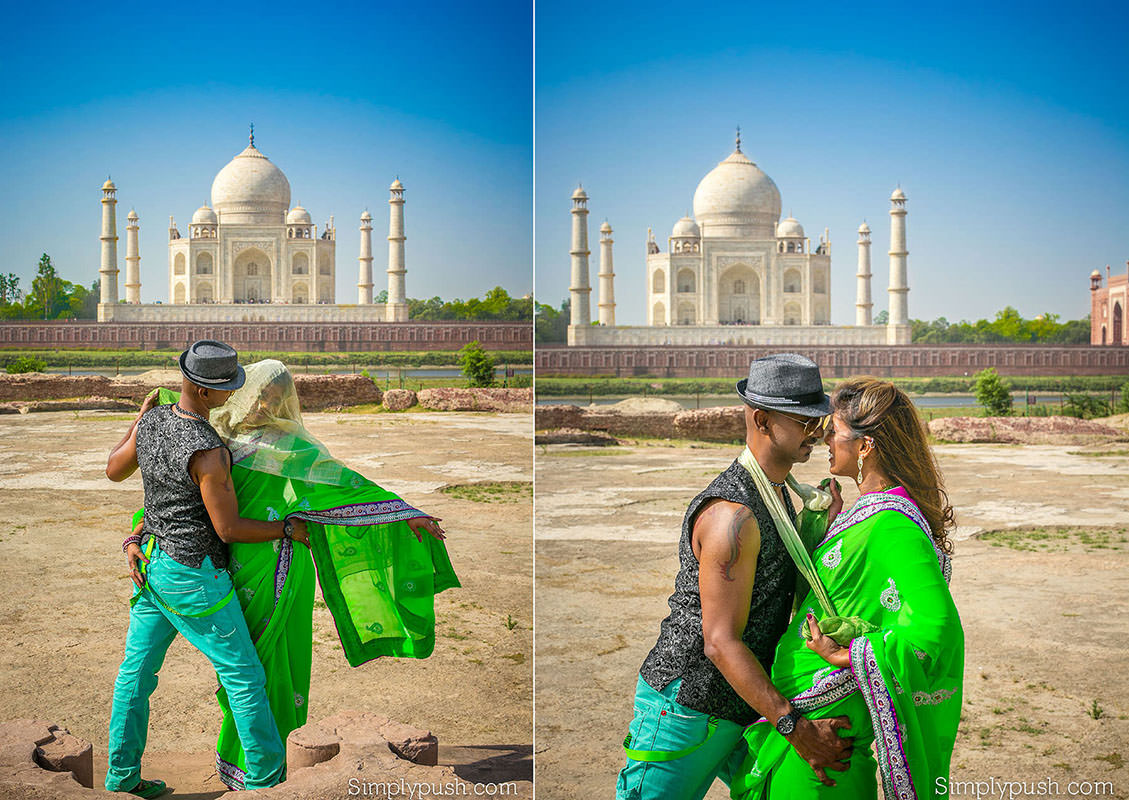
(133, 554)
(826, 647)
(422, 525)
(836, 502)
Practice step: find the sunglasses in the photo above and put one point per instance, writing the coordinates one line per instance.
(812, 425)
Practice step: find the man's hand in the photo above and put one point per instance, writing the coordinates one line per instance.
(819, 744)
(299, 532)
(133, 554)
(422, 525)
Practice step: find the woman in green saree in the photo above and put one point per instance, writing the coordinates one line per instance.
(895, 665)
(379, 572)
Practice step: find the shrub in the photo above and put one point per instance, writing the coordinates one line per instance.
(478, 365)
(993, 393)
(1084, 406)
(27, 364)
(1123, 400)
(521, 381)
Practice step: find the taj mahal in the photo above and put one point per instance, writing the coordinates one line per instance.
(251, 257)
(735, 273)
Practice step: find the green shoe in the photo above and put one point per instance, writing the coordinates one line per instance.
(148, 789)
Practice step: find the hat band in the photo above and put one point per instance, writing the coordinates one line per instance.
(801, 400)
(198, 378)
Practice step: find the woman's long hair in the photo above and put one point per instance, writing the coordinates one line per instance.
(885, 413)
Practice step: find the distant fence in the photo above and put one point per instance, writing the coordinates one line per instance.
(290, 336)
(835, 361)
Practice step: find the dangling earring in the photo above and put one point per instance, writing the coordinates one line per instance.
(858, 480)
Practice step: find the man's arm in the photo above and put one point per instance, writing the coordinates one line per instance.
(727, 543)
(123, 458)
(211, 469)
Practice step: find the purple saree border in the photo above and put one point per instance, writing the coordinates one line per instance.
(892, 762)
(378, 513)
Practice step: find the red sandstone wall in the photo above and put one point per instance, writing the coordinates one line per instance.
(836, 361)
(291, 336)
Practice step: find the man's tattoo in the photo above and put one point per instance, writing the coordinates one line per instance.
(736, 522)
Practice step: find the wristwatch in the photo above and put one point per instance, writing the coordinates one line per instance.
(787, 723)
(287, 529)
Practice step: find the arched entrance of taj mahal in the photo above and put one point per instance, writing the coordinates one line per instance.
(252, 277)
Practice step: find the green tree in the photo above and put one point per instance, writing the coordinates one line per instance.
(478, 365)
(882, 317)
(993, 393)
(381, 296)
(551, 325)
(10, 289)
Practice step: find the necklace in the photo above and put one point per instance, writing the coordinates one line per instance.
(190, 413)
(774, 483)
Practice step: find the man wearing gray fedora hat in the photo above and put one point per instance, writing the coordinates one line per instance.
(191, 514)
(707, 677)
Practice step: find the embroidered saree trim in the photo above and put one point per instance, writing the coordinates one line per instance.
(378, 513)
(892, 762)
(231, 775)
(870, 504)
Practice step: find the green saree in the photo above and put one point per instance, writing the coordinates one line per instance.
(903, 688)
(378, 580)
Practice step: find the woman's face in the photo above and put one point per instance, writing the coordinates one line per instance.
(842, 447)
(267, 406)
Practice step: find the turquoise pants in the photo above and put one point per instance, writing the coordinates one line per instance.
(222, 637)
(661, 724)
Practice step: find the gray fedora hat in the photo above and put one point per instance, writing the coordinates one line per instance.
(785, 382)
(213, 365)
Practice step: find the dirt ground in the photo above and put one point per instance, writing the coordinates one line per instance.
(64, 608)
(1044, 613)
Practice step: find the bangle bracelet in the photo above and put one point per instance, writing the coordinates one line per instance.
(134, 539)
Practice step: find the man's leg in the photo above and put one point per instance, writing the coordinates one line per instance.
(224, 639)
(146, 643)
(662, 725)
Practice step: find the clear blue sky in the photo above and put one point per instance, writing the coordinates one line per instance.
(344, 98)
(1007, 125)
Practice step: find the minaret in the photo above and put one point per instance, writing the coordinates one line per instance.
(108, 272)
(364, 277)
(606, 276)
(863, 305)
(899, 311)
(132, 260)
(580, 289)
(397, 307)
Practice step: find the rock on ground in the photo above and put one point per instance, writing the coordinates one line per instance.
(456, 399)
(399, 399)
(1022, 430)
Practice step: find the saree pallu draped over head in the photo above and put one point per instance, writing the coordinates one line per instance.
(377, 579)
(903, 688)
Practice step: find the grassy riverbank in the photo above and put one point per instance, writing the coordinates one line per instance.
(600, 386)
(157, 359)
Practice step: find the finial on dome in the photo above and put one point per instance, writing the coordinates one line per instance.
(252, 137)
(738, 138)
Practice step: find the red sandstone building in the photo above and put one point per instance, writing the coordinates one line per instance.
(1107, 307)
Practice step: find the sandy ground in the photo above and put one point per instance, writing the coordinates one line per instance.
(1045, 627)
(64, 608)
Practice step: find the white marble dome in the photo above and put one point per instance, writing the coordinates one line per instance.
(299, 216)
(251, 190)
(737, 199)
(686, 227)
(790, 227)
(204, 216)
